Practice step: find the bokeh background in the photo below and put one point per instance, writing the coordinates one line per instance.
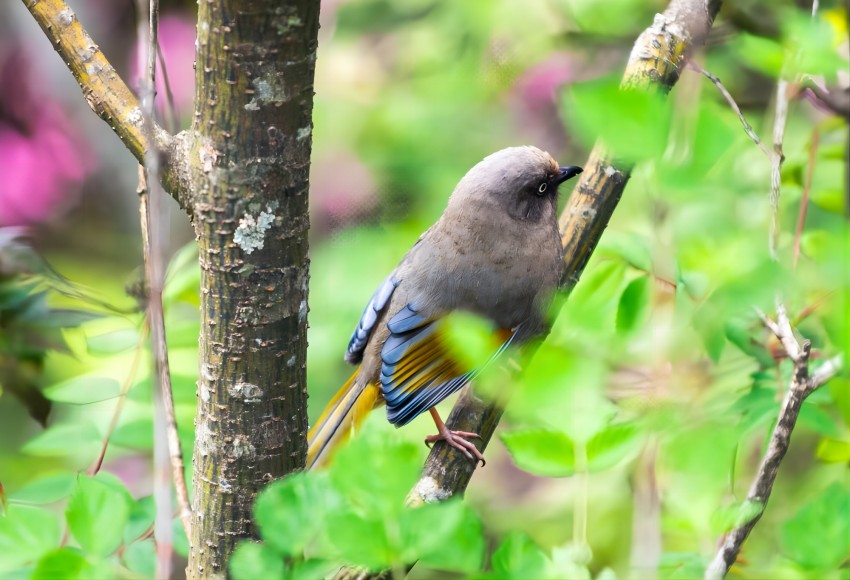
(659, 335)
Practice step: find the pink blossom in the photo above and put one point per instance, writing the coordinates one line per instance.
(177, 42)
(42, 160)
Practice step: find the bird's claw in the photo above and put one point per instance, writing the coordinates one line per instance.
(458, 440)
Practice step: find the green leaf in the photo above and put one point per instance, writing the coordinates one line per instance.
(66, 318)
(814, 537)
(65, 439)
(833, 450)
(84, 390)
(97, 514)
(361, 540)
(633, 123)
(312, 569)
(64, 563)
(611, 446)
(47, 489)
(140, 557)
(26, 533)
(376, 470)
(519, 557)
(762, 54)
(732, 516)
(460, 543)
(541, 451)
(251, 561)
(140, 519)
(113, 342)
(634, 304)
(134, 435)
(290, 512)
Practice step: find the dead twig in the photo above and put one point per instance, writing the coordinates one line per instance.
(731, 101)
(803, 383)
(804, 202)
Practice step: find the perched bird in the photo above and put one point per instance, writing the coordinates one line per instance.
(495, 252)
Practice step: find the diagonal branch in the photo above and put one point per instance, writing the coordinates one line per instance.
(108, 95)
(657, 59)
(802, 385)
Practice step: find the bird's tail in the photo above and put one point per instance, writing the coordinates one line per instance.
(344, 413)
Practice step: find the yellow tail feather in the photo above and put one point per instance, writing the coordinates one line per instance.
(345, 413)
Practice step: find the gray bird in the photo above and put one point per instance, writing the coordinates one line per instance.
(495, 252)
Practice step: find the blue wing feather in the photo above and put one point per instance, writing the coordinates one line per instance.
(364, 329)
(417, 372)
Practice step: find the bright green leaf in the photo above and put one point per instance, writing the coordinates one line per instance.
(460, 546)
(541, 452)
(26, 533)
(47, 489)
(814, 537)
(83, 390)
(634, 304)
(251, 561)
(62, 564)
(290, 512)
(97, 514)
(611, 446)
(140, 557)
(113, 342)
(519, 557)
(833, 451)
(65, 439)
(361, 540)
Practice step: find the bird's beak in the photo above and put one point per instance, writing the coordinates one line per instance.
(568, 171)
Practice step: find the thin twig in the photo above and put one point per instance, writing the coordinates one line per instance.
(779, 120)
(731, 101)
(122, 398)
(169, 451)
(171, 122)
(107, 95)
(804, 202)
(802, 385)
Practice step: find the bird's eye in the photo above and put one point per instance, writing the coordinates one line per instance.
(542, 189)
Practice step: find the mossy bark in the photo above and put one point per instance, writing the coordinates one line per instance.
(250, 159)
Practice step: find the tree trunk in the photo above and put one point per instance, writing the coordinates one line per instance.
(250, 160)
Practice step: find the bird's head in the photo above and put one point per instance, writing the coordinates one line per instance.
(524, 180)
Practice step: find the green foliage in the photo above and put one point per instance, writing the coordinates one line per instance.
(354, 513)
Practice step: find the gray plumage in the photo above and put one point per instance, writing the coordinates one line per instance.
(495, 252)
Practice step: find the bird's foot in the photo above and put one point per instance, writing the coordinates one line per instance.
(458, 440)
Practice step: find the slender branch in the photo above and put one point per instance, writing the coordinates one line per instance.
(731, 101)
(776, 159)
(119, 406)
(802, 385)
(107, 94)
(657, 59)
(804, 202)
(151, 219)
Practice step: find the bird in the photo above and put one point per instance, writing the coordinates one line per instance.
(495, 252)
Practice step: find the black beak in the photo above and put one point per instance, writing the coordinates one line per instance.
(567, 172)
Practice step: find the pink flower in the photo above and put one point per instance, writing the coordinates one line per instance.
(177, 42)
(42, 160)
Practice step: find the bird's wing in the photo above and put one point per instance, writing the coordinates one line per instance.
(417, 370)
(370, 316)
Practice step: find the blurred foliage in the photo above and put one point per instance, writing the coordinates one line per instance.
(633, 434)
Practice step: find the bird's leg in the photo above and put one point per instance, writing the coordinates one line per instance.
(455, 439)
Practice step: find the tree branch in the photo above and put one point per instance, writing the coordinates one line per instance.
(107, 94)
(802, 385)
(657, 59)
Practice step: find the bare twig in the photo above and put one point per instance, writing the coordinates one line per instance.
(119, 406)
(166, 452)
(776, 159)
(731, 101)
(804, 202)
(107, 95)
(802, 385)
